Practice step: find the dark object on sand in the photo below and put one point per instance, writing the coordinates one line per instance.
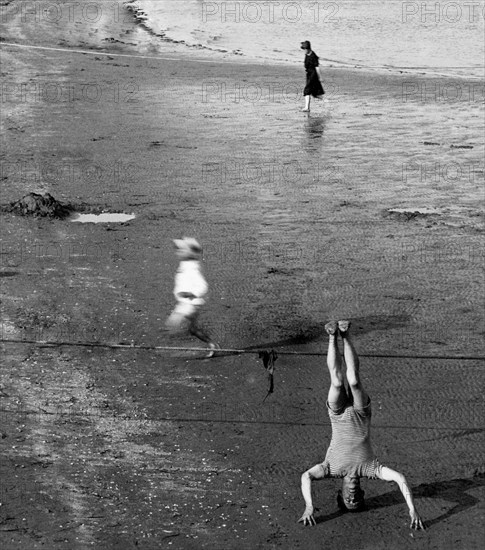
(269, 358)
(45, 206)
(407, 215)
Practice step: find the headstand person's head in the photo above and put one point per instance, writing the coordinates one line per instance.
(188, 249)
(351, 497)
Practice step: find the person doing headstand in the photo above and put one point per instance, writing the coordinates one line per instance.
(350, 455)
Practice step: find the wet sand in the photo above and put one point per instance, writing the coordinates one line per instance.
(106, 448)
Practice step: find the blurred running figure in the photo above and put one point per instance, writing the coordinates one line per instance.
(350, 455)
(190, 287)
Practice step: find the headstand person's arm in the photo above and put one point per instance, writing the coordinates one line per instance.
(387, 474)
(317, 472)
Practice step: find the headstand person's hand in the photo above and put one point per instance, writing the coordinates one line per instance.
(307, 517)
(416, 522)
(387, 474)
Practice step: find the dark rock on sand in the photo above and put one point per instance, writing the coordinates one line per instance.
(405, 215)
(45, 206)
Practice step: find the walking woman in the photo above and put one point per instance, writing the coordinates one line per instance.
(313, 80)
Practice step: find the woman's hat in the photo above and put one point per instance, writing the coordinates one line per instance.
(305, 45)
(189, 245)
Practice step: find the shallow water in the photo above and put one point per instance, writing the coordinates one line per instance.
(437, 37)
(105, 217)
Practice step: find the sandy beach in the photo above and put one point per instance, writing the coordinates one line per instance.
(370, 207)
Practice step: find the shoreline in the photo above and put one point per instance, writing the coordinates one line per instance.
(177, 56)
(146, 40)
(142, 18)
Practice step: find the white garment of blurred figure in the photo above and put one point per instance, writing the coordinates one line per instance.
(190, 289)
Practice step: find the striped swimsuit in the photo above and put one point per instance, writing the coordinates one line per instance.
(350, 451)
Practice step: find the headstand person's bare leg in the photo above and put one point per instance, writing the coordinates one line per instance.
(361, 399)
(337, 394)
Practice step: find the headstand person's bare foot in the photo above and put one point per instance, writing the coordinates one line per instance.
(331, 327)
(343, 327)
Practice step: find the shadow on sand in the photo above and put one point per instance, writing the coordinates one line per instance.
(312, 332)
(453, 490)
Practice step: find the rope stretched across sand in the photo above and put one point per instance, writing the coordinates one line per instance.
(230, 350)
